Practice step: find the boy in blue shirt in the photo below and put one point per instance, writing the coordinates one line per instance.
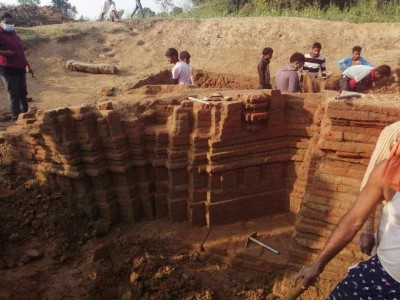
(356, 59)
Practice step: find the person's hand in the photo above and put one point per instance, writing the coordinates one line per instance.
(28, 69)
(9, 53)
(352, 83)
(309, 275)
(367, 243)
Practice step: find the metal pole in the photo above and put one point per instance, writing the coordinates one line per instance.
(263, 245)
(199, 100)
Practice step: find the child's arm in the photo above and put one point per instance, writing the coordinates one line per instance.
(342, 64)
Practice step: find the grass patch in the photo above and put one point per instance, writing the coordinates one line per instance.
(363, 12)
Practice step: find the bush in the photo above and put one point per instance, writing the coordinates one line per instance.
(340, 10)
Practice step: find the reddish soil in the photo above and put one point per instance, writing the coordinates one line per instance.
(49, 249)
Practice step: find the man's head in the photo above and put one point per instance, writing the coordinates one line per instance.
(185, 56)
(267, 53)
(297, 60)
(356, 52)
(316, 49)
(172, 55)
(383, 71)
(7, 21)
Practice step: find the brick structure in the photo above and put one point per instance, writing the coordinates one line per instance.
(208, 164)
(238, 158)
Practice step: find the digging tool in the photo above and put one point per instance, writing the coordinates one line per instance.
(295, 292)
(199, 100)
(252, 238)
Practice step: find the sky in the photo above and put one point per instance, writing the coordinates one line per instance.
(91, 8)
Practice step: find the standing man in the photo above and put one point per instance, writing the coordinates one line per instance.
(138, 6)
(264, 76)
(13, 66)
(315, 62)
(379, 277)
(388, 138)
(355, 59)
(287, 78)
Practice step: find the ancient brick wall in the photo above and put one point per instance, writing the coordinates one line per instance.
(237, 158)
(231, 160)
(340, 152)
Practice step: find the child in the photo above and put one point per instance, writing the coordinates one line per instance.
(184, 56)
(287, 78)
(358, 78)
(181, 70)
(264, 76)
(315, 62)
(356, 59)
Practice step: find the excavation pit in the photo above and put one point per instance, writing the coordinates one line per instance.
(246, 155)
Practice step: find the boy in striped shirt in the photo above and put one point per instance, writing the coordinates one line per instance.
(315, 62)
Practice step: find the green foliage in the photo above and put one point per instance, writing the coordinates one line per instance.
(65, 7)
(176, 11)
(148, 13)
(211, 9)
(338, 10)
(165, 5)
(30, 2)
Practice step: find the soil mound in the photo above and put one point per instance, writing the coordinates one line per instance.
(33, 15)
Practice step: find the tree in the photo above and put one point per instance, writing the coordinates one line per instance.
(166, 5)
(30, 2)
(148, 13)
(176, 11)
(65, 7)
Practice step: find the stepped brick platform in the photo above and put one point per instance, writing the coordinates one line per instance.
(232, 160)
(243, 156)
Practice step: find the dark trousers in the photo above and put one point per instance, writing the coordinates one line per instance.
(138, 6)
(14, 81)
(344, 84)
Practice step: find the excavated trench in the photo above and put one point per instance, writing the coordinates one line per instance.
(205, 79)
(246, 154)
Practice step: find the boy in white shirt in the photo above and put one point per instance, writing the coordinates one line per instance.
(359, 77)
(181, 70)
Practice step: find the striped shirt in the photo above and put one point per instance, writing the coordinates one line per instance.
(314, 64)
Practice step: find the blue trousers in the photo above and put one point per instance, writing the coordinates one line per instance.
(14, 81)
(367, 281)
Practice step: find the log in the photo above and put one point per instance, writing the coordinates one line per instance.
(91, 68)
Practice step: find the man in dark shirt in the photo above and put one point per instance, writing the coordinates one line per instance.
(287, 77)
(13, 66)
(264, 76)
